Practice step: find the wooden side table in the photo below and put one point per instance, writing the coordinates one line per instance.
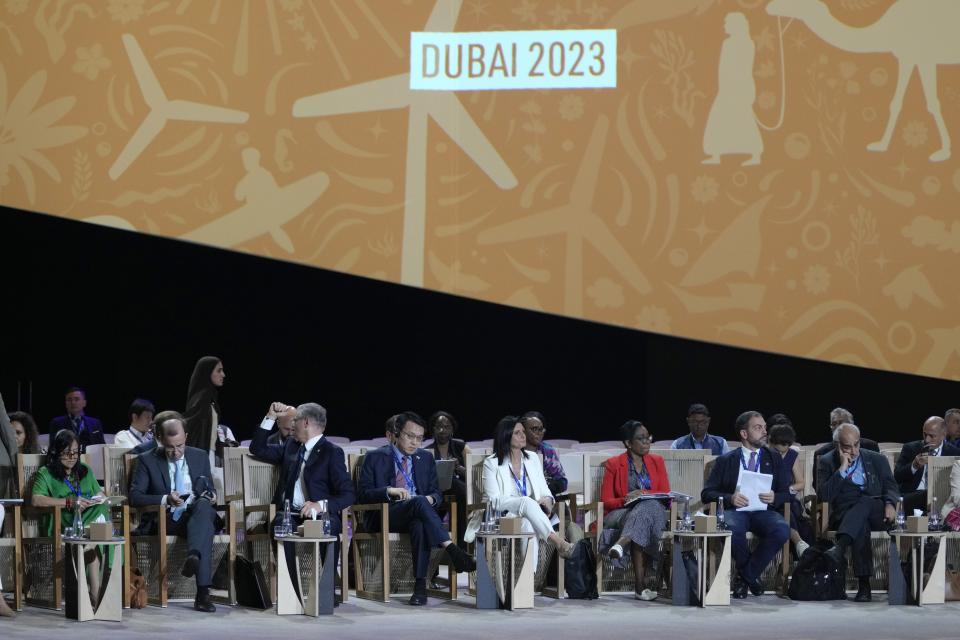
(931, 592)
(516, 590)
(714, 592)
(77, 592)
(316, 598)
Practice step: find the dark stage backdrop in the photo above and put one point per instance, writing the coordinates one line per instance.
(126, 315)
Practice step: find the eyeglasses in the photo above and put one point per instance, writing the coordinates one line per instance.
(410, 437)
(537, 429)
(70, 454)
(644, 439)
(175, 447)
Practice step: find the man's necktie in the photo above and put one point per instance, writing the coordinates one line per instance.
(295, 477)
(180, 487)
(753, 461)
(401, 480)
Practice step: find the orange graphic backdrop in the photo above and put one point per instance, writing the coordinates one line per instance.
(751, 181)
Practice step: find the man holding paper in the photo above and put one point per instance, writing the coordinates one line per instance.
(750, 483)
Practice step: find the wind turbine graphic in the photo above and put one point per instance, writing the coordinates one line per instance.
(161, 110)
(444, 108)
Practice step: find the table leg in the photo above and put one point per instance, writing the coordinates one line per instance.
(681, 583)
(521, 584)
(897, 584)
(288, 602)
(325, 584)
(486, 592)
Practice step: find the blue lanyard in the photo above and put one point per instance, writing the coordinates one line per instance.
(643, 479)
(852, 469)
(75, 490)
(406, 477)
(522, 488)
(756, 466)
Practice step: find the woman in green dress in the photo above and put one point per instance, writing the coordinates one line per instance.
(66, 482)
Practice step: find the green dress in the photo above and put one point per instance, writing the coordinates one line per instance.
(44, 484)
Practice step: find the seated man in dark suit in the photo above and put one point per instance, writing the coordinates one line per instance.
(838, 417)
(862, 494)
(178, 477)
(89, 430)
(406, 476)
(766, 524)
(311, 468)
(911, 468)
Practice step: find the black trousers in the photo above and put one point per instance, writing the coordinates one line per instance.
(198, 524)
(857, 516)
(419, 518)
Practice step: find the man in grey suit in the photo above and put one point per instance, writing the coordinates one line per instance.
(859, 487)
(178, 477)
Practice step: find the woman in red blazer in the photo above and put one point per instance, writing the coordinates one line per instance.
(639, 524)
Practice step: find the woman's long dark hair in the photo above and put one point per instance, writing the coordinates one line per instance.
(31, 443)
(200, 395)
(501, 438)
(61, 442)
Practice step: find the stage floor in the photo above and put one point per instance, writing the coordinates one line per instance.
(764, 618)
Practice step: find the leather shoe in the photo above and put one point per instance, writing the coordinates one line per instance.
(739, 588)
(863, 595)
(202, 602)
(190, 565)
(755, 586)
(417, 600)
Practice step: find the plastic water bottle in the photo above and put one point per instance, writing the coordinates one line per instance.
(687, 518)
(324, 517)
(77, 520)
(287, 522)
(901, 521)
(933, 519)
(721, 518)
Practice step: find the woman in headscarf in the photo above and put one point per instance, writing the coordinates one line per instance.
(203, 411)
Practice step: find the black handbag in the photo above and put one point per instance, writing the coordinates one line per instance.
(252, 588)
(817, 577)
(580, 572)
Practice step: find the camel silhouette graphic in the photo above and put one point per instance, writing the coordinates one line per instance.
(921, 34)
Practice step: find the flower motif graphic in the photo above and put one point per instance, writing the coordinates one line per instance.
(91, 61)
(125, 11)
(816, 279)
(25, 130)
(705, 189)
(571, 107)
(915, 134)
(653, 318)
(606, 294)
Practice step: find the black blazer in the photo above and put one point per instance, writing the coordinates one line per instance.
(325, 471)
(726, 471)
(879, 479)
(379, 471)
(91, 430)
(865, 444)
(903, 471)
(151, 476)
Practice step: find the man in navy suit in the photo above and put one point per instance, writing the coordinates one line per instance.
(405, 475)
(911, 468)
(89, 430)
(311, 468)
(766, 524)
(178, 477)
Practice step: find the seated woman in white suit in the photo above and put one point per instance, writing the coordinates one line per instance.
(513, 482)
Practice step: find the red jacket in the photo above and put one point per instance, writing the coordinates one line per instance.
(617, 474)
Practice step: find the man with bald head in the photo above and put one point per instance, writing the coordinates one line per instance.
(862, 494)
(911, 467)
(838, 416)
(284, 421)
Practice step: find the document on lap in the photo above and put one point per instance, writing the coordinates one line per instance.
(751, 484)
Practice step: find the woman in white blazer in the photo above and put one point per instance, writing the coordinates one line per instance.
(513, 482)
(954, 500)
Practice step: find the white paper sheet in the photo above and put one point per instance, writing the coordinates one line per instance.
(751, 484)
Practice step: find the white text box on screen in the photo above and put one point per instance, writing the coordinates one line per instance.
(493, 60)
